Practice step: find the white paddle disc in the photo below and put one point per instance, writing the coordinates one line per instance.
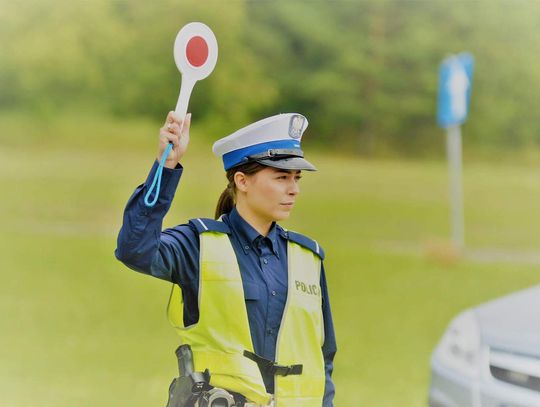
(195, 55)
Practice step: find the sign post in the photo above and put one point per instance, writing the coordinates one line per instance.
(455, 80)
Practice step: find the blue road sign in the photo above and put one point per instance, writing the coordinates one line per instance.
(455, 82)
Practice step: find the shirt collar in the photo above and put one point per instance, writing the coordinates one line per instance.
(248, 234)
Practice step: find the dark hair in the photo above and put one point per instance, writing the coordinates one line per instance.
(227, 199)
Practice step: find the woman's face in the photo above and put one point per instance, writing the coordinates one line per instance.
(271, 193)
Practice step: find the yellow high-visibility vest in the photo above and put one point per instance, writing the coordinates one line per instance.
(220, 337)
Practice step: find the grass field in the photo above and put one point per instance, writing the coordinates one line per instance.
(80, 329)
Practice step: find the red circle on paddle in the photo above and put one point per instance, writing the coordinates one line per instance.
(197, 51)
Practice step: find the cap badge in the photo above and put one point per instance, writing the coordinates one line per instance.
(296, 125)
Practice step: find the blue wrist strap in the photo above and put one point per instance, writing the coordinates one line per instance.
(156, 183)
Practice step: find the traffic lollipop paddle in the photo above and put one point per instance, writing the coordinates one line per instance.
(195, 54)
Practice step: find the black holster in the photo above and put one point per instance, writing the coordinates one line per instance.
(185, 390)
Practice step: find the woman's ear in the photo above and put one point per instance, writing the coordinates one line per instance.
(241, 181)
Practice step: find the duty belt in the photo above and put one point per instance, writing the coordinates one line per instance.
(273, 368)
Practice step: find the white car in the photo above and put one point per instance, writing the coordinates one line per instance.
(490, 355)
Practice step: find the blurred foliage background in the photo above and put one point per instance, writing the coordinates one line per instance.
(364, 72)
(84, 87)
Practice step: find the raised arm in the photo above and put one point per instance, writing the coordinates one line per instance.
(141, 244)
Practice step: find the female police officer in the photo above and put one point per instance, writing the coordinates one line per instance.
(249, 297)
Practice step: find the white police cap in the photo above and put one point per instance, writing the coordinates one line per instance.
(274, 142)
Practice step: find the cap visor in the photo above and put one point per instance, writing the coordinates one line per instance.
(292, 163)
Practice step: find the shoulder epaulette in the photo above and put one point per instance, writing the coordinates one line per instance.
(306, 242)
(209, 225)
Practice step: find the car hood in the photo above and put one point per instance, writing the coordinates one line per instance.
(512, 323)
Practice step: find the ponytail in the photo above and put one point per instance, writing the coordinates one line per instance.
(227, 199)
(225, 202)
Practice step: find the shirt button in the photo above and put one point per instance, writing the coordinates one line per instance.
(246, 247)
(273, 293)
(270, 331)
(265, 261)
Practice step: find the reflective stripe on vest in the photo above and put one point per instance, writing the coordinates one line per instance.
(222, 333)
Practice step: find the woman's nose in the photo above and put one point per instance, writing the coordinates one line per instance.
(294, 189)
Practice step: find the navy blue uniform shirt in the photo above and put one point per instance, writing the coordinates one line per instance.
(173, 255)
